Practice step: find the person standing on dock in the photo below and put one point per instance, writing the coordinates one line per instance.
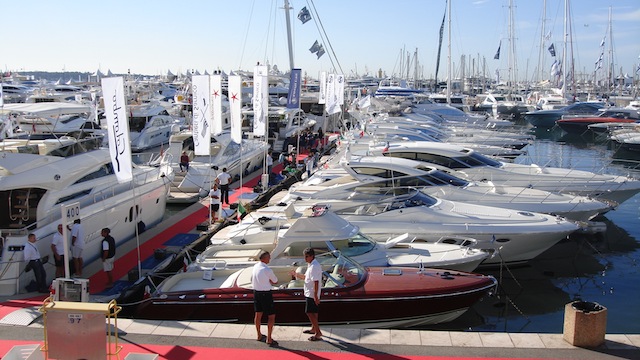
(77, 241)
(108, 254)
(214, 202)
(262, 278)
(57, 247)
(312, 278)
(32, 257)
(224, 180)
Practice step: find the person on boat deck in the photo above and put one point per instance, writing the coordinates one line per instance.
(309, 165)
(262, 278)
(108, 254)
(269, 161)
(224, 180)
(214, 202)
(77, 242)
(32, 257)
(184, 162)
(312, 289)
(57, 247)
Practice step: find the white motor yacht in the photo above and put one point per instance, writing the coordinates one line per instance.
(237, 158)
(38, 178)
(387, 172)
(383, 213)
(285, 232)
(469, 164)
(150, 125)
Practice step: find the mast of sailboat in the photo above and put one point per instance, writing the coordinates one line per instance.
(610, 67)
(564, 51)
(449, 54)
(287, 9)
(542, 45)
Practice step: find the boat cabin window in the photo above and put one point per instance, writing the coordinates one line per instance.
(375, 171)
(232, 149)
(137, 123)
(104, 170)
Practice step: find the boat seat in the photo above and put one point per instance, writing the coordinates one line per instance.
(297, 283)
(336, 279)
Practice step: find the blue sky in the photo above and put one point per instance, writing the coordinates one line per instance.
(152, 37)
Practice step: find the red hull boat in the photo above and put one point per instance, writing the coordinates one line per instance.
(351, 296)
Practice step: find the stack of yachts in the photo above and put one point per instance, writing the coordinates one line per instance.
(388, 198)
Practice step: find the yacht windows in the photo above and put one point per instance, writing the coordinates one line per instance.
(77, 195)
(104, 170)
(375, 171)
(231, 149)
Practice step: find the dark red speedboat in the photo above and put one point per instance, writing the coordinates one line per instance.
(351, 295)
(578, 124)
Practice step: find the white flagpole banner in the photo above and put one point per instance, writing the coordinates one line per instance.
(332, 98)
(1, 96)
(117, 127)
(216, 101)
(235, 107)
(260, 99)
(339, 90)
(201, 114)
(322, 96)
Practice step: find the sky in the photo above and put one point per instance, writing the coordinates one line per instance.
(360, 37)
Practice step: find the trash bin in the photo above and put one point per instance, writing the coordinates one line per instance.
(585, 323)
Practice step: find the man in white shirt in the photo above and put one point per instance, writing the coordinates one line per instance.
(57, 247)
(224, 180)
(214, 202)
(32, 257)
(312, 278)
(77, 241)
(262, 278)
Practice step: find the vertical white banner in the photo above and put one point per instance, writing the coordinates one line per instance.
(201, 114)
(117, 127)
(331, 94)
(1, 95)
(260, 99)
(339, 90)
(235, 107)
(216, 101)
(322, 96)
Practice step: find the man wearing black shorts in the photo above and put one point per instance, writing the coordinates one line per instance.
(262, 278)
(312, 278)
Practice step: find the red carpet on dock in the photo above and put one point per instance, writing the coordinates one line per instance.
(171, 352)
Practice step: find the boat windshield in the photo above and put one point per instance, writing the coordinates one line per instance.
(341, 269)
(468, 160)
(381, 203)
(357, 245)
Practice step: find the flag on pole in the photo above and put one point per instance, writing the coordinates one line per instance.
(235, 107)
(260, 99)
(602, 42)
(497, 55)
(599, 62)
(293, 99)
(552, 50)
(216, 104)
(1, 95)
(117, 127)
(201, 114)
(240, 211)
(317, 49)
(304, 15)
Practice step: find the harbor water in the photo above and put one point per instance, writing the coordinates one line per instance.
(602, 268)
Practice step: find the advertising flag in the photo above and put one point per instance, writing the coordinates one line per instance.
(117, 127)
(497, 55)
(293, 100)
(260, 99)
(235, 107)
(201, 114)
(322, 95)
(216, 102)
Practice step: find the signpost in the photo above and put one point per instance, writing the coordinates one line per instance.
(70, 212)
